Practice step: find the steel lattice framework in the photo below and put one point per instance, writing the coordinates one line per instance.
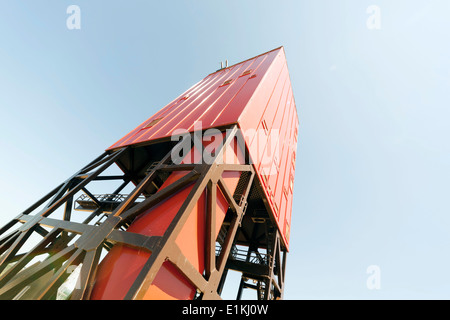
(67, 243)
(172, 229)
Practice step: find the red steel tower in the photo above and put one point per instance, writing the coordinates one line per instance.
(211, 184)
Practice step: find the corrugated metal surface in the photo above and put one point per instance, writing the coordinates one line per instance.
(122, 264)
(214, 101)
(272, 112)
(257, 95)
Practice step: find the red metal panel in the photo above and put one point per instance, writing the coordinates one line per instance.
(287, 160)
(257, 95)
(252, 115)
(215, 103)
(239, 103)
(281, 123)
(122, 264)
(274, 97)
(200, 100)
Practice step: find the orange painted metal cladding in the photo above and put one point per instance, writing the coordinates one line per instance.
(122, 264)
(255, 94)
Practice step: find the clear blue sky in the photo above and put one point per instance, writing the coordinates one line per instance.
(372, 180)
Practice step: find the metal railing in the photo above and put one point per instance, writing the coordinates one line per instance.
(255, 257)
(107, 197)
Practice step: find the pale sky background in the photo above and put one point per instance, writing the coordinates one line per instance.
(372, 179)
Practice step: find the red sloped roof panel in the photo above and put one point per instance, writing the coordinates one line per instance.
(257, 95)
